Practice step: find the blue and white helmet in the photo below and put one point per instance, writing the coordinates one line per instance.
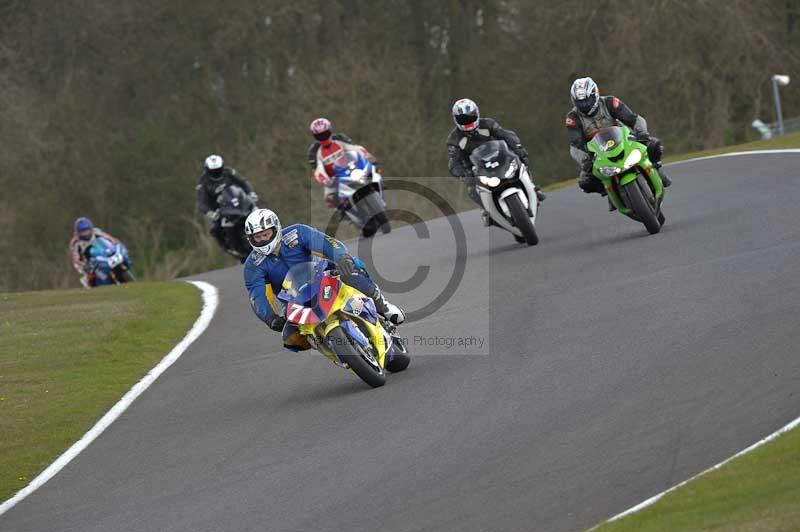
(466, 115)
(585, 95)
(263, 230)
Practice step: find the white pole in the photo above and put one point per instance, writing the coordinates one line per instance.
(776, 93)
(783, 80)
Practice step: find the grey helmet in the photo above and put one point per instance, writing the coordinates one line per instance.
(585, 95)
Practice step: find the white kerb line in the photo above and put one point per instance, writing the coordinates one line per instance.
(790, 426)
(210, 304)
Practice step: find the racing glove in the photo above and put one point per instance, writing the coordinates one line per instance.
(213, 216)
(346, 266)
(522, 153)
(330, 200)
(276, 322)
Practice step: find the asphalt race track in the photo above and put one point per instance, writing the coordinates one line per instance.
(614, 364)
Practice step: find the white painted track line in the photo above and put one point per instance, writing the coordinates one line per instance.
(210, 303)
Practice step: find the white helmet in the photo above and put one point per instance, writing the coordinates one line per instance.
(257, 222)
(214, 166)
(585, 95)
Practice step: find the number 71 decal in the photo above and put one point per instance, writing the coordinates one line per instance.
(298, 313)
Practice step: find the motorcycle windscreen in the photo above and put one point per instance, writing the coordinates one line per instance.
(300, 281)
(348, 161)
(233, 202)
(608, 139)
(494, 159)
(101, 248)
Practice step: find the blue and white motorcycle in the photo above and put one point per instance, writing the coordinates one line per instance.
(108, 263)
(360, 192)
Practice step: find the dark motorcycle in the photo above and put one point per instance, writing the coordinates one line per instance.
(234, 207)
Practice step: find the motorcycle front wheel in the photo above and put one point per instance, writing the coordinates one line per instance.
(357, 357)
(521, 219)
(123, 275)
(640, 205)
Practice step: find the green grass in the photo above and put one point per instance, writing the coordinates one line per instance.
(759, 491)
(67, 356)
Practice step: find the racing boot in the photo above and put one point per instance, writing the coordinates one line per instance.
(487, 219)
(665, 180)
(541, 196)
(390, 311)
(611, 207)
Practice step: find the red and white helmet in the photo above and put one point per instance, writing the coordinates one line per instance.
(466, 115)
(321, 128)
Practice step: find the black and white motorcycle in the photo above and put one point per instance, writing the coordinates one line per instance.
(234, 207)
(506, 190)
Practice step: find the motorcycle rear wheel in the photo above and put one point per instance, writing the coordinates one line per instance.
(400, 360)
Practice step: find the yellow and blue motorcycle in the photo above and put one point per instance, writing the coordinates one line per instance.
(341, 322)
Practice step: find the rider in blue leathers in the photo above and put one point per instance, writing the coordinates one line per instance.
(276, 250)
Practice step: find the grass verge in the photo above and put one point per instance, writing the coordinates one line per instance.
(67, 356)
(758, 491)
(786, 141)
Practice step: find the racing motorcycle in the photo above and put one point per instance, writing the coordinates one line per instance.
(108, 263)
(631, 180)
(341, 322)
(506, 190)
(360, 192)
(234, 207)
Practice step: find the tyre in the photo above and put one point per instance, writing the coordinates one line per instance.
(641, 206)
(383, 222)
(125, 276)
(370, 228)
(400, 360)
(371, 207)
(661, 218)
(520, 216)
(359, 359)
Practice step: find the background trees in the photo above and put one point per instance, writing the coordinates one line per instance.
(109, 108)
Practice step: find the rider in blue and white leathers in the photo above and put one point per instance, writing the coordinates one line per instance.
(276, 250)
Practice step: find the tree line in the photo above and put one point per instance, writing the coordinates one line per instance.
(109, 108)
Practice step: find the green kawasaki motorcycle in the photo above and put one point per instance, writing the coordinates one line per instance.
(633, 184)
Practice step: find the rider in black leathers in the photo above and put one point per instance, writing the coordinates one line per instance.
(212, 181)
(470, 132)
